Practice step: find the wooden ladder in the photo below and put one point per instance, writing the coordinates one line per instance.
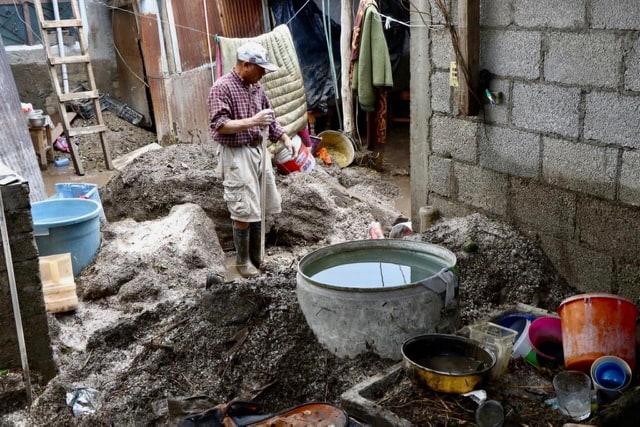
(92, 93)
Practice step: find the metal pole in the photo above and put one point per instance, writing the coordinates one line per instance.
(56, 16)
(14, 301)
(263, 192)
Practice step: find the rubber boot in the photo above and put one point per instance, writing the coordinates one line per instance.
(255, 229)
(243, 263)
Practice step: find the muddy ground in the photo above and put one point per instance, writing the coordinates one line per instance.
(147, 330)
(122, 137)
(522, 392)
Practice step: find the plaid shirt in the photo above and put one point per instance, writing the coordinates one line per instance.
(232, 99)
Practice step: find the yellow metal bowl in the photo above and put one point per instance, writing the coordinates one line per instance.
(339, 146)
(446, 363)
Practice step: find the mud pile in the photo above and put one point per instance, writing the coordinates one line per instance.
(122, 137)
(148, 330)
(498, 266)
(318, 207)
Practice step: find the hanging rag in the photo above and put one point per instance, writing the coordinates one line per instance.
(373, 67)
(284, 87)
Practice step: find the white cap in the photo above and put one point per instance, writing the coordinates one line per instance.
(255, 53)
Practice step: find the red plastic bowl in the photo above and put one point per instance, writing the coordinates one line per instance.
(545, 335)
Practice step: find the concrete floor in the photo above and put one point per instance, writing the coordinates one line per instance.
(396, 156)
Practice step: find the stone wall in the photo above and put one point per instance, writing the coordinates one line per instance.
(25, 264)
(560, 157)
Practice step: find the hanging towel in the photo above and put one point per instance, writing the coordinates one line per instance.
(285, 87)
(373, 68)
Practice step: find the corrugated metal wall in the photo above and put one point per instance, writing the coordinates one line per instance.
(241, 18)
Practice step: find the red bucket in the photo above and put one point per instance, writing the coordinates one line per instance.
(303, 163)
(595, 325)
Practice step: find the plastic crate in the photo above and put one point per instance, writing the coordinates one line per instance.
(73, 190)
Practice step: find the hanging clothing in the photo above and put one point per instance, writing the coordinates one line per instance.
(373, 67)
(357, 31)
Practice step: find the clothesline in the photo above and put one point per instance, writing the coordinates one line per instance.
(387, 20)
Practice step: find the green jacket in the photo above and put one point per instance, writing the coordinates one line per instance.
(373, 68)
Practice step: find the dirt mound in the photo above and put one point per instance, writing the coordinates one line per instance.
(123, 138)
(316, 206)
(497, 266)
(136, 257)
(147, 330)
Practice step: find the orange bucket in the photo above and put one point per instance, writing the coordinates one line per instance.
(595, 325)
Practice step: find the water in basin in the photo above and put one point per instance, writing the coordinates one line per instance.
(374, 268)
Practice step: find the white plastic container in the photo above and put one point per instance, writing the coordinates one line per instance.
(58, 285)
(498, 340)
(523, 348)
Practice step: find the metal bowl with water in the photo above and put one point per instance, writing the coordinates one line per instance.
(446, 363)
(371, 295)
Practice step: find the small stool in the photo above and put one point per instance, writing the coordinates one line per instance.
(42, 144)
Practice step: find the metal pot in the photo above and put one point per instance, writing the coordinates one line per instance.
(37, 122)
(446, 363)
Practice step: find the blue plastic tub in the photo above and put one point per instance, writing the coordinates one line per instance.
(77, 190)
(67, 225)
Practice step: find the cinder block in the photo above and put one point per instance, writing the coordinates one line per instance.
(495, 13)
(436, 15)
(580, 167)
(630, 178)
(448, 208)
(546, 108)
(584, 59)
(619, 14)
(441, 49)
(23, 248)
(583, 268)
(609, 227)
(632, 69)
(547, 210)
(19, 221)
(510, 151)
(550, 13)
(440, 92)
(511, 53)
(15, 196)
(613, 119)
(628, 281)
(454, 138)
(440, 171)
(481, 188)
(498, 113)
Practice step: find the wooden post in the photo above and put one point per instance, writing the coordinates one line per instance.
(469, 40)
(346, 18)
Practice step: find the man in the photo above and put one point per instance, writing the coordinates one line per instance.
(239, 112)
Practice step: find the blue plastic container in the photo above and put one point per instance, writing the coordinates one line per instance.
(67, 225)
(78, 190)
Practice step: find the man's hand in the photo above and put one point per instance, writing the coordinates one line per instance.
(263, 118)
(289, 144)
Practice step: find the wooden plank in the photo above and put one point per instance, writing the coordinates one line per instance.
(61, 23)
(27, 17)
(76, 59)
(190, 119)
(131, 89)
(75, 96)
(87, 130)
(152, 56)
(469, 40)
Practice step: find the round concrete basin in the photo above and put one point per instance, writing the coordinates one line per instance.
(372, 295)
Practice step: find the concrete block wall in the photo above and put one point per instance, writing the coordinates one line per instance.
(26, 269)
(560, 158)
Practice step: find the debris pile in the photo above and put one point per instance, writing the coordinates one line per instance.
(498, 266)
(123, 137)
(316, 206)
